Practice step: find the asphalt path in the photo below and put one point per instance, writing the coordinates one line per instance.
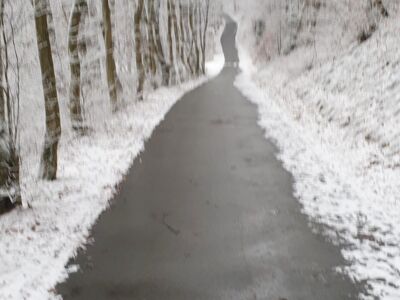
(207, 213)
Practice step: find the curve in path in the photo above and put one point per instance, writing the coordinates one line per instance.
(207, 213)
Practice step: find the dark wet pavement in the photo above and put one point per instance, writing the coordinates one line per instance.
(207, 213)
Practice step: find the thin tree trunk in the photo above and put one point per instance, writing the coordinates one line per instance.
(197, 35)
(10, 193)
(183, 36)
(13, 120)
(2, 100)
(156, 59)
(170, 43)
(151, 42)
(204, 39)
(176, 33)
(157, 36)
(110, 62)
(48, 168)
(192, 38)
(75, 102)
(138, 48)
(149, 46)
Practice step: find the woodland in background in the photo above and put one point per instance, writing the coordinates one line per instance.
(67, 66)
(280, 27)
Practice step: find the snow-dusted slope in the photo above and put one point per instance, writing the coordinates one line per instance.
(337, 127)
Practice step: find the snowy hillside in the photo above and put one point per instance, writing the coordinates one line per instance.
(336, 123)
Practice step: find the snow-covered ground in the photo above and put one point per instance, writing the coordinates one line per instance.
(337, 128)
(36, 243)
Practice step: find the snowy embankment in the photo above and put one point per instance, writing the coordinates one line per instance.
(337, 128)
(36, 243)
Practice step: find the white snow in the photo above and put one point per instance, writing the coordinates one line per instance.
(337, 130)
(36, 243)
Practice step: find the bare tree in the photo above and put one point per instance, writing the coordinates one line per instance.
(48, 166)
(196, 36)
(170, 42)
(138, 48)
(152, 47)
(183, 34)
(111, 70)
(155, 21)
(204, 36)
(177, 40)
(190, 12)
(76, 111)
(10, 193)
(2, 99)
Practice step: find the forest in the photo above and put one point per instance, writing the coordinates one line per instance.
(199, 149)
(66, 66)
(280, 28)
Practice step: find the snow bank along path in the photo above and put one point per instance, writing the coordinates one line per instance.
(337, 130)
(36, 244)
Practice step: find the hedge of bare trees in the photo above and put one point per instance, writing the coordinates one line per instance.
(164, 39)
(280, 27)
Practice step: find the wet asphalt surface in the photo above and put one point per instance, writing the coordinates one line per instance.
(207, 213)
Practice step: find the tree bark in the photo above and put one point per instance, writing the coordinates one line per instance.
(151, 40)
(183, 36)
(10, 192)
(204, 38)
(48, 168)
(192, 38)
(157, 36)
(176, 34)
(2, 99)
(197, 35)
(76, 111)
(138, 48)
(170, 43)
(110, 62)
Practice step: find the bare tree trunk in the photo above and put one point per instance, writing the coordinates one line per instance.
(76, 110)
(10, 193)
(176, 33)
(138, 48)
(204, 39)
(2, 100)
(55, 50)
(110, 62)
(183, 36)
(170, 43)
(48, 168)
(152, 37)
(152, 42)
(155, 21)
(192, 38)
(145, 41)
(160, 51)
(197, 34)
(12, 104)
(149, 47)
